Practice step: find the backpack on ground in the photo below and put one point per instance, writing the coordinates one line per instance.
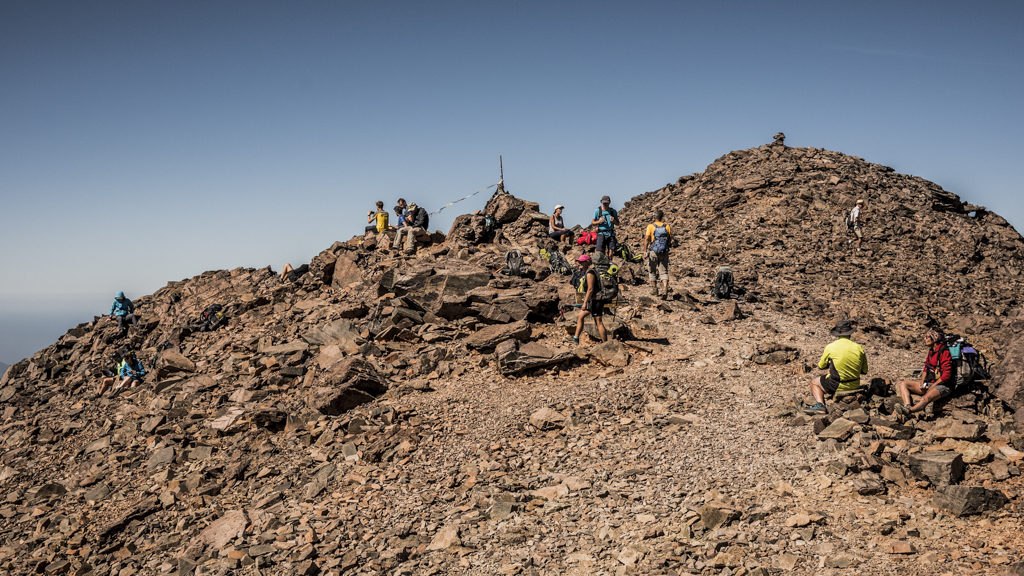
(628, 255)
(556, 262)
(970, 364)
(587, 238)
(513, 263)
(660, 244)
(212, 317)
(723, 285)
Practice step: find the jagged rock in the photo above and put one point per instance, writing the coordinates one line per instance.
(515, 358)
(171, 362)
(548, 419)
(490, 336)
(968, 500)
(610, 353)
(346, 385)
(839, 429)
(939, 468)
(224, 529)
(960, 430)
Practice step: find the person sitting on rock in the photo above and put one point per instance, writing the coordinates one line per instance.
(605, 218)
(416, 222)
(657, 240)
(845, 361)
(556, 227)
(124, 311)
(589, 286)
(379, 219)
(937, 378)
(401, 211)
(130, 371)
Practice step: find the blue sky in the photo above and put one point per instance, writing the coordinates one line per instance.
(142, 142)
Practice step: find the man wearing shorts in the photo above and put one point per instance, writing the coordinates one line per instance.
(937, 378)
(845, 361)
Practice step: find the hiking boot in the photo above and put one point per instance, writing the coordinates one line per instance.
(816, 408)
(576, 340)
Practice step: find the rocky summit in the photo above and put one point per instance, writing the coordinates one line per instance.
(377, 412)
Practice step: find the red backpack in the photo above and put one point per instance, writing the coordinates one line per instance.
(587, 238)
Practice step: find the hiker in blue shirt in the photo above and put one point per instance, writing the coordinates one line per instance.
(402, 212)
(605, 218)
(124, 311)
(130, 373)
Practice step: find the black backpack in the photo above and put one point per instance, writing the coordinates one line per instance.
(513, 263)
(723, 287)
(558, 264)
(608, 287)
(212, 317)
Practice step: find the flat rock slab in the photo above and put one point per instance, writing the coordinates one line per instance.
(490, 336)
(224, 529)
(939, 468)
(968, 500)
(840, 429)
(611, 353)
(346, 385)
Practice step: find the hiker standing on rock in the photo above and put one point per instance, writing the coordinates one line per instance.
(605, 218)
(591, 306)
(853, 223)
(657, 240)
(845, 361)
(556, 227)
(124, 311)
(379, 219)
(937, 378)
(416, 222)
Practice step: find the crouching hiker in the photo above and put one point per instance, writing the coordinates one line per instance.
(937, 378)
(845, 361)
(130, 373)
(589, 285)
(124, 311)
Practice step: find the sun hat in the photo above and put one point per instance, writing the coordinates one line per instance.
(842, 328)
(557, 206)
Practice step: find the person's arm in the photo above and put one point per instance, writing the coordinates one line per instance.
(823, 363)
(863, 363)
(945, 368)
(421, 218)
(131, 306)
(597, 218)
(551, 224)
(113, 306)
(648, 235)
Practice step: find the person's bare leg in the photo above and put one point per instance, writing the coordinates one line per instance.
(579, 323)
(601, 329)
(930, 396)
(817, 391)
(902, 389)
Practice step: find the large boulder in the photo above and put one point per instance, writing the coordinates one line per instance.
(490, 336)
(346, 385)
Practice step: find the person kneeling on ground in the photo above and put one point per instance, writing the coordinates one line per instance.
(130, 372)
(591, 305)
(416, 222)
(379, 219)
(845, 361)
(124, 311)
(937, 378)
(556, 227)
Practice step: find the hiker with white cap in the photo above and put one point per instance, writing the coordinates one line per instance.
(556, 227)
(845, 361)
(589, 285)
(853, 223)
(124, 311)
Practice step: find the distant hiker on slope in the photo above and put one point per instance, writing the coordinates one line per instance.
(379, 219)
(416, 222)
(605, 218)
(853, 224)
(937, 378)
(124, 311)
(845, 361)
(556, 227)
(130, 371)
(589, 286)
(657, 240)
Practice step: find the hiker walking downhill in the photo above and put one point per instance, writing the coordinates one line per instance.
(590, 285)
(853, 224)
(657, 240)
(845, 361)
(124, 311)
(416, 222)
(556, 227)
(379, 219)
(937, 378)
(605, 218)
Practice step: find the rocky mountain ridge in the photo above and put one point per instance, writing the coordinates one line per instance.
(373, 412)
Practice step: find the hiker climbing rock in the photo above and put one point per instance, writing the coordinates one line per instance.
(124, 311)
(845, 361)
(605, 218)
(937, 378)
(657, 240)
(556, 227)
(589, 285)
(379, 219)
(130, 372)
(416, 222)
(853, 224)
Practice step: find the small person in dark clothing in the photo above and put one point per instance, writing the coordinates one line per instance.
(124, 311)
(591, 305)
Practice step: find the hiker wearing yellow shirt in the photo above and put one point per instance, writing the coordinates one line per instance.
(657, 241)
(845, 361)
(379, 219)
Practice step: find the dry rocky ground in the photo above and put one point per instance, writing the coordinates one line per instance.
(375, 413)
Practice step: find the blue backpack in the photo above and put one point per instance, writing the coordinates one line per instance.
(660, 244)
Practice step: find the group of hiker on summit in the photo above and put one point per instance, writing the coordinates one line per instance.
(846, 361)
(412, 222)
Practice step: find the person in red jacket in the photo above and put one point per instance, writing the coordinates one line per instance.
(937, 378)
